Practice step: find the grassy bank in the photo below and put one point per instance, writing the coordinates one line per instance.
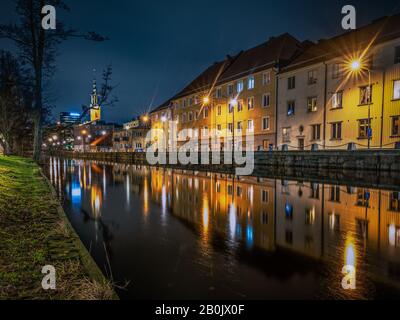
(34, 232)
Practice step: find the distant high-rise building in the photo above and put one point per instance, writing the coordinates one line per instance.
(69, 118)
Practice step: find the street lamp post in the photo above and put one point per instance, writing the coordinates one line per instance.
(356, 66)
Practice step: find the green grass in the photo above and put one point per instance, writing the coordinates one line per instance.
(33, 234)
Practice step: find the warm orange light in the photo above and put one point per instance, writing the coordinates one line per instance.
(84, 132)
(206, 100)
(145, 118)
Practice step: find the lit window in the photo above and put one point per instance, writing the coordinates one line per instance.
(337, 100)
(316, 132)
(336, 131)
(363, 126)
(219, 110)
(239, 86)
(250, 103)
(219, 128)
(312, 104)
(250, 83)
(312, 77)
(365, 95)
(286, 134)
(266, 100)
(239, 106)
(250, 125)
(396, 126)
(291, 83)
(396, 90)
(230, 127)
(265, 123)
(291, 108)
(266, 78)
(230, 107)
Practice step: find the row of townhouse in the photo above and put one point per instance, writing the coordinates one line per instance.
(296, 95)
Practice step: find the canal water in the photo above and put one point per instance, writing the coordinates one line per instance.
(174, 234)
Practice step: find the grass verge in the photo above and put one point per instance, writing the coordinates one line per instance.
(35, 232)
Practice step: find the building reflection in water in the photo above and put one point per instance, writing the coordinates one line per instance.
(330, 224)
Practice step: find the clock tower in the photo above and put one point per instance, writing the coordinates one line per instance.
(95, 109)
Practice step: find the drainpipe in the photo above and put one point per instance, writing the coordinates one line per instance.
(383, 105)
(325, 102)
(276, 104)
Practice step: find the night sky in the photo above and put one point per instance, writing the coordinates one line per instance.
(157, 47)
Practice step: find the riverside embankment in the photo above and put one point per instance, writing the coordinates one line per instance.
(34, 233)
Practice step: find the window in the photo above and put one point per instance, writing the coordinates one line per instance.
(396, 126)
(266, 100)
(250, 103)
(239, 106)
(265, 123)
(291, 83)
(396, 90)
(316, 132)
(394, 201)
(239, 86)
(312, 104)
(229, 89)
(184, 103)
(219, 110)
(266, 78)
(363, 196)
(190, 116)
(336, 131)
(205, 132)
(286, 134)
(205, 112)
(397, 55)
(365, 95)
(230, 127)
(291, 108)
(190, 101)
(337, 100)
(264, 196)
(250, 83)
(219, 93)
(334, 194)
(310, 217)
(337, 70)
(250, 125)
(363, 126)
(219, 128)
(184, 117)
(312, 77)
(230, 107)
(196, 100)
(239, 126)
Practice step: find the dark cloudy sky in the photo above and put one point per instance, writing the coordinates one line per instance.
(156, 47)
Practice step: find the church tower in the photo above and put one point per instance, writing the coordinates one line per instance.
(95, 109)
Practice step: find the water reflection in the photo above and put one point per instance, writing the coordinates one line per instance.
(248, 236)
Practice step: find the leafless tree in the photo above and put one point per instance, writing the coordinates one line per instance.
(37, 49)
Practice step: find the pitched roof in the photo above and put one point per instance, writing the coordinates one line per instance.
(349, 43)
(268, 54)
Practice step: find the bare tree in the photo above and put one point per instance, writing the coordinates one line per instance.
(38, 48)
(14, 104)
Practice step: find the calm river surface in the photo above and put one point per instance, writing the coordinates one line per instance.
(172, 234)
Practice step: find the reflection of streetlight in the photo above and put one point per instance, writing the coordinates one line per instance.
(55, 137)
(233, 102)
(355, 67)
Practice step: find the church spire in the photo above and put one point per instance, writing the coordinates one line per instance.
(95, 111)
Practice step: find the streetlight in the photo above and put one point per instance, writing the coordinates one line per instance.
(206, 100)
(356, 66)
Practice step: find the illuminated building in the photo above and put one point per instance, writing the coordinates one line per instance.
(324, 92)
(68, 118)
(95, 109)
